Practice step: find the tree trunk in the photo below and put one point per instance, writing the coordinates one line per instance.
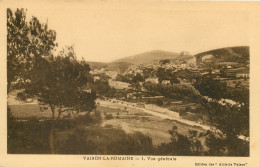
(59, 113)
(51, 136)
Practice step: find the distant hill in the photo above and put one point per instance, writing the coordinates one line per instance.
(94, 65)
(148, 57)
(238, 54)
(122, 66)
(112, 66)
(229, 55)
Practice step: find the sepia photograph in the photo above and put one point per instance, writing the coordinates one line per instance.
(128, 79)
(166, 96)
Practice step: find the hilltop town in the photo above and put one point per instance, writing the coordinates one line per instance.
(178, 84)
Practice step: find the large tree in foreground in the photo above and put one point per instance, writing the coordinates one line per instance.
(61, 82)
(25, 41)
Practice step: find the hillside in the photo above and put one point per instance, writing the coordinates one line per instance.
(232, 61)
(238, 54)
(94, 65)
(147, 57)
(121, 66)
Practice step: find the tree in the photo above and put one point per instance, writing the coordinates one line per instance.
(174, 80)
(102, 88)
(159, 102)
(61, 83)
(136, 86)
(208, 86)
(223, 72)
(165, 61)
(161, 74)
(230, 121)
(25, 41)
(179, 145)
(226, 146)
(148, 72)
(124, 78)
(137, 78)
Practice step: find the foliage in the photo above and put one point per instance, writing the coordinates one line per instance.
(61, 83)
(29, 137)
(148, 72)
(181, 144)
(130, 78)
(186, 74)
(106, 140)
(227, 146)
(102, 88)
(223, 72)
(58, 81)
(164, 61)
(230, 122)
(137, 78)
(136, 86)
(172, 75)
(109, 116)
(159, 102)
(25, 41)
(208, 86)
(176, 91)
(124, 78)
(239, 94)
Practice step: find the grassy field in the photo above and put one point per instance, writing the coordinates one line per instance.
(137, 121)
(26, 111)
(129, 120)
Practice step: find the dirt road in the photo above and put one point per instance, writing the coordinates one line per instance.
(167, 114)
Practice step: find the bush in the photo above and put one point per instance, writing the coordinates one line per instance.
(159, 102)
(107, 140)
(227, 146)
(29, 137)
(181, 144)
(89, 118)
(109, 116)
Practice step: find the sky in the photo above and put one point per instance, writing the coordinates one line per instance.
(104, 31)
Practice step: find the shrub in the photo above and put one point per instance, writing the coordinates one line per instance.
(109, 116)
(106, 140)
(159, 102)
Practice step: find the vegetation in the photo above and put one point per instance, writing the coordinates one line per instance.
(226, 146)
(65, 85)
(181, 144)
(230, 54)
(165, 61)
(208, 86)
(130, 78)
(177, 91)
(110, 141)
(25, 41)
(102, 88)
(29, 137)
(57, 81)
(214, 88)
